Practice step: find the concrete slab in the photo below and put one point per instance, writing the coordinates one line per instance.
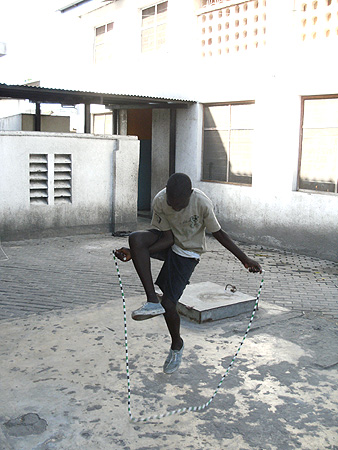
(67, 368)
(204, 302)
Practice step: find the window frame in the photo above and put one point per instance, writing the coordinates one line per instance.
(301, 134)
(228, 103)
(154, 27)
(105, 39)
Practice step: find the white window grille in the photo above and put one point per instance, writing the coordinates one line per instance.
(62, 179)
(318, 20)
(50, 174)
(232, 27)
(38, 179)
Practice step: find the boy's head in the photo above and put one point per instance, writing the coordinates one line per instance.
(178, 191)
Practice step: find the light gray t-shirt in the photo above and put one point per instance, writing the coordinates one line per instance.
(188, 225)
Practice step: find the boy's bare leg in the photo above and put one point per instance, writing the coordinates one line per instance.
(139, 243)
(142, 244)
(173, 322)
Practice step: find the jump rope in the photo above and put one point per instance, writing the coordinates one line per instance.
(190, 408)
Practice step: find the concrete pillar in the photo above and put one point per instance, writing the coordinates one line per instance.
(160, 150)
(125, 185)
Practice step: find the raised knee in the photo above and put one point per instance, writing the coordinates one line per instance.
(135, 239)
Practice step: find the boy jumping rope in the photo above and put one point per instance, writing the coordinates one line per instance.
(181, 215)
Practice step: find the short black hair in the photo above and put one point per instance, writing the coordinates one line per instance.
(179, 185)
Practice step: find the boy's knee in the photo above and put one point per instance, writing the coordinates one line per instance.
(168, 305)
(134, 238)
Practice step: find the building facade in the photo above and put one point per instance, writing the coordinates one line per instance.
(261, 138)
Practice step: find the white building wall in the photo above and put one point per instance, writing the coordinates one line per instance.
(275, 77)
(104, 184)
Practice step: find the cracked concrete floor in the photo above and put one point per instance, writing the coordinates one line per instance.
(69, 369)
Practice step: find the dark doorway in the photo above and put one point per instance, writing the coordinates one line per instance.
(140, 125)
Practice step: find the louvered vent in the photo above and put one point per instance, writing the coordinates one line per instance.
(38, 179)
(62, 179)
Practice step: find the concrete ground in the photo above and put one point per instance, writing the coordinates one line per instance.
(62, 374)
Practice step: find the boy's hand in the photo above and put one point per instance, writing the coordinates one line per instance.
(252, 265)
(123, 254)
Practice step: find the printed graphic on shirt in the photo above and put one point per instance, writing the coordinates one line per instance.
(193, 221)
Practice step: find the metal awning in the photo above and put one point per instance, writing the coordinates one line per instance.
(72, 97)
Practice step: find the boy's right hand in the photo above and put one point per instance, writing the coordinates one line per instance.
(123, 254)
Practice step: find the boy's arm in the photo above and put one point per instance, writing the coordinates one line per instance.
(229, 244)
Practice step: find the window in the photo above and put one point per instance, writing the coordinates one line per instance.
(103, 46)
(227, 142)
(154, 27)
(48, 174)
(103, 123)
(319, 145)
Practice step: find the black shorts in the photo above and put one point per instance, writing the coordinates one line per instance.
(175, 272)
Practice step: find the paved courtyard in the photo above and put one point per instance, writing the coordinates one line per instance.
(62, 373)
(43, 274)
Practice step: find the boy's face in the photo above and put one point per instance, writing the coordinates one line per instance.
(178, 203)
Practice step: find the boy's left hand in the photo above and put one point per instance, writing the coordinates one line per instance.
(252, 265)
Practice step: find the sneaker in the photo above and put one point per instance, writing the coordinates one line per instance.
(147, 311)
(173, 361)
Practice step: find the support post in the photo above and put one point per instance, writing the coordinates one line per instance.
(116, 116)
(37, 119)
(172, 142)
(87, 118)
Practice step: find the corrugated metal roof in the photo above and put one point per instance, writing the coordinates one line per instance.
(64, 96)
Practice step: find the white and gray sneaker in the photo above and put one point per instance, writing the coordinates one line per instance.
(147, 311)
(173, 361)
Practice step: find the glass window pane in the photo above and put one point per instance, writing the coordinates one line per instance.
(321, 113)
(319, 164)
(98, 124)
(215, 155)
(217, 117)
(242, 117)
(99, 53)
(160, 35)
(108, 125)
(100, 30)
(110, 26)
(148, 40)
(240, 170)
(148, 17)
(162, 11)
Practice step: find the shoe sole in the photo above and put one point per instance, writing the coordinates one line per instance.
(146, 316)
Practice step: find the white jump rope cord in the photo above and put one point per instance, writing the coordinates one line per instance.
(190, 408)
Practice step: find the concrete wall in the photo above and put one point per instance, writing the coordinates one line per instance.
(25, 122)
(103, 184)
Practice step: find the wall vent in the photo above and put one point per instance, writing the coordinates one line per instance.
(62, 179)
(38, 179)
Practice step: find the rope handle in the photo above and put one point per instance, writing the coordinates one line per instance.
(190, 408)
